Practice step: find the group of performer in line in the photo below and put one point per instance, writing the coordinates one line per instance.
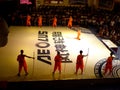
(58, 60)
(54, 21)
(80, 63)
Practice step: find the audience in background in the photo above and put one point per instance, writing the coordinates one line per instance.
(105, 24)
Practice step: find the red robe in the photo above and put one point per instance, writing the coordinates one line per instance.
(57, 65)
(22, 63)
(108, 65)
(39, 21)
(28, 20)
(54, 22)
(70, 22)
(79, 63)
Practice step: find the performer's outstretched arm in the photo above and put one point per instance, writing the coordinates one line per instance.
(29, 57)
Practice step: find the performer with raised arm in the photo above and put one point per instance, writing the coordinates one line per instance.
(22, 62)
(79, 62)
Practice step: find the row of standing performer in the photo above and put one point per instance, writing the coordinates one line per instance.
(54, 22)
(58, 60)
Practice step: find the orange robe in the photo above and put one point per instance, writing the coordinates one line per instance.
(79, 63)
(54, 22)
(108, 65)
(78, 34)
(57, 65)
(28, 20)
(70, 22)
(22, 63)
(40, 21)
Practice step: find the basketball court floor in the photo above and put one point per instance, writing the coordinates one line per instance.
(42, 43)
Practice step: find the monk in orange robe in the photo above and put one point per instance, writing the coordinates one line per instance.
(108, 65)
(54, 21)
(79, 62)
(28, 20)
(78, 34)
(70, 22)
(58, 60)
(40, 21)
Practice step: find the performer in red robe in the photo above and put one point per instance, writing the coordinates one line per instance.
(40, 21)
(57, 65)
(54, 21)
(22, 62)
(108, 66)
(70, 22)
(28, 20)
(78, 34)
(79, 62)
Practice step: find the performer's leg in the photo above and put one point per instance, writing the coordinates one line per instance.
(55, 68)
(20, 69)
(25, 68)
(81, 67)
(77, 67)
(110, 70)
(106, 69)
(59, 68)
